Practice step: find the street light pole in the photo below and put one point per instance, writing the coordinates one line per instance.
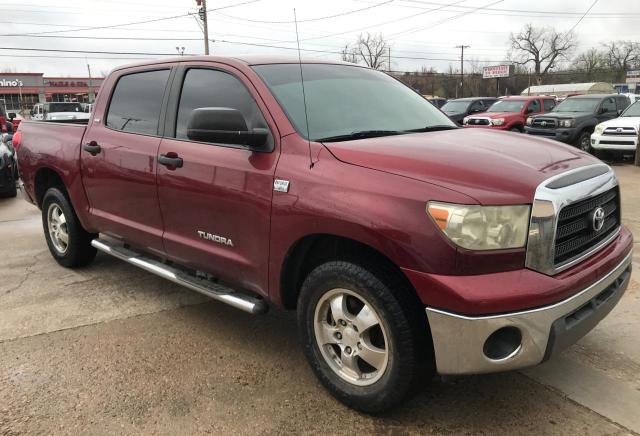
(462, 47)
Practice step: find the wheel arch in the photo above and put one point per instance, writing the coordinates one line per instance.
(312, 250)
(44, 179)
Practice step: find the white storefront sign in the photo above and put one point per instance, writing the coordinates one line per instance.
(496, 71)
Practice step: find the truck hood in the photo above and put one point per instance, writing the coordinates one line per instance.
(623, 122)
(491, 167)
(564, 115)
(494, 115)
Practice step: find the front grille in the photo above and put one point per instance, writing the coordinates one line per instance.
(619, 131)
(544, 123)
(478, 122)
(575, 234)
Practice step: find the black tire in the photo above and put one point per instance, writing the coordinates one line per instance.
(407, 340)
(516, 129)
(584, 141)
(79, 251)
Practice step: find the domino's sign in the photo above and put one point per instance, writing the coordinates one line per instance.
(8, 83)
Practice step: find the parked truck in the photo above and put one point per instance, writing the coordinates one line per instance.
(407, 245)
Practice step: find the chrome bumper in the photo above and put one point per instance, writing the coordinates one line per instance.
(460, 342)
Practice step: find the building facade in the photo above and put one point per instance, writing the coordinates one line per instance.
(20, 91)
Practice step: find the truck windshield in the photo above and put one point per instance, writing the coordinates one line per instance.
(456, 106)
(347, 102)
(65, 107)
(507, 106)
(578, 105)
(632, 111)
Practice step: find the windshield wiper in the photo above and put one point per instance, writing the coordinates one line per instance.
(432, 128)
(362, 134)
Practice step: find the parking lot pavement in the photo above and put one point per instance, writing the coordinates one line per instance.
(111, 349)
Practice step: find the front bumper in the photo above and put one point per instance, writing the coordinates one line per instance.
(566, 135)
(610, 142)
(461, 342)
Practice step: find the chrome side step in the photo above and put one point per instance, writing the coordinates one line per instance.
(213, 290)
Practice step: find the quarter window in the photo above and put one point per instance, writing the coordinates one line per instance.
(212, 88)
(136, 102)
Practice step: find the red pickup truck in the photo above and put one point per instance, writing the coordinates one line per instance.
(407, 245)
(510, 113)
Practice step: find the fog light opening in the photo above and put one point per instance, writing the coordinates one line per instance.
(503, 343)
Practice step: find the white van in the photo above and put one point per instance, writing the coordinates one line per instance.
(59, 111)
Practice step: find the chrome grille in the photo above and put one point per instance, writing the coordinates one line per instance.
(620, 131)
(478, 122)
(544, 123)
(575, 232)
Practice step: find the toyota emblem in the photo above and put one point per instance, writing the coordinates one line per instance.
(543, 124)
(619, 130)
(597, 219)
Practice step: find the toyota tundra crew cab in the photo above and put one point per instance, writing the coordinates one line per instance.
(406, 245)
(510, 113)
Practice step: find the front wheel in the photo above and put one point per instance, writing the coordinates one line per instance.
(365, 344)
(584, 142)
(69, 243)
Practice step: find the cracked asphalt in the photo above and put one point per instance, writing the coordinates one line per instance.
(110, 349)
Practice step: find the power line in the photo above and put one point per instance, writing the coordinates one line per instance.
(155, 20)
(90, 51)
(583, 15)
(308, 19)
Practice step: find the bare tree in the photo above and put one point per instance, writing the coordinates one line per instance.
(349, 54)
(591, 62)
(372, 50)
(542, 47)
(622, 55)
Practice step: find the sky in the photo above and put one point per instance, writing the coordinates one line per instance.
(421, 33)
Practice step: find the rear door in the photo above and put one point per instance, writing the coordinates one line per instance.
(217, 206)
(119, 158)
(608, 109)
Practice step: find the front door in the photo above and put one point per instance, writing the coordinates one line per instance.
(119, 160)
(217, 206)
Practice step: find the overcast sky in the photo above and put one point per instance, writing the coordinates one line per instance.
(428, 30)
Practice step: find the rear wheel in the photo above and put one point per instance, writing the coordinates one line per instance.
(69, 243)
(584, 141)
(366, 344)
(516, 129)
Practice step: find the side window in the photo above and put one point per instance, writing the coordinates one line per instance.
(609, 105)
(548, 104)
(136, 102)
(212, 88)
(476, 106)
(534, 106)
(623, 102)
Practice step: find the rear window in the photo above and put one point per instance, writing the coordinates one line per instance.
(136, 102)
(64, 107)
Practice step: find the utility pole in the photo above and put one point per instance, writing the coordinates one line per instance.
(91, 95)
(462, 47)
(389, 60)
(203, 16)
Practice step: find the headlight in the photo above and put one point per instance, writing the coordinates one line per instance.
(482, 227)
(567, 123)
(529, 121)
(465, 120)
(599, 129)
(497, 121)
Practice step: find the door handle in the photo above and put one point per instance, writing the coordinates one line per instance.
(170, 160)
(92, 147)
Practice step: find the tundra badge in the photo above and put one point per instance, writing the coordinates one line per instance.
(215, 238)
(281, 185)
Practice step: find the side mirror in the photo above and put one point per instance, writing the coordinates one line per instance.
(11, 115)
(530, 110)
(224, 125)
(603, 110)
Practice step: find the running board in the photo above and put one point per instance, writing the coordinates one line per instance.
(213, 290)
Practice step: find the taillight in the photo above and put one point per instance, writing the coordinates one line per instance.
(17, 137)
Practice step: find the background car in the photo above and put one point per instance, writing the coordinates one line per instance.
(510, 113)
(619, 134)
(8, 168)
(461, 107)
(436, 101)
(573, 120)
